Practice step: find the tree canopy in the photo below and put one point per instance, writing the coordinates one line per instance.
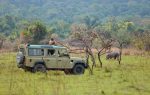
(38, 19)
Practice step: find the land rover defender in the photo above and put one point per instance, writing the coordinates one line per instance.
(39, 58)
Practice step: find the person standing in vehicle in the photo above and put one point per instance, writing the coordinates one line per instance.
(52, 42)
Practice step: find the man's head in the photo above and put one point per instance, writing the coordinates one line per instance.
(52, 39)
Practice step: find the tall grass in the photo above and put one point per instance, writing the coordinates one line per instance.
(132, 77)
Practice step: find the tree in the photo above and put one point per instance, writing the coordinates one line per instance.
(33, 33)
(141, 40)
(37, 31)
(85, 36)
(61, 28)
(2, 38)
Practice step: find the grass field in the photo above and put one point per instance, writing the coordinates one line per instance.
(132, 77)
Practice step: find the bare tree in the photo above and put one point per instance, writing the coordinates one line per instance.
(2, 38)
(86, 37)
(106, 46)
(121, 43)
(106, 43)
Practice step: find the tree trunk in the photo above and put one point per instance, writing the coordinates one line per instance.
(99, 57)
(120, 57)
(1, 43)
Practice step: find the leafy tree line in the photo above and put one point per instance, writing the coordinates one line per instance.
(37, 32)
(73, 10)
(36, 20)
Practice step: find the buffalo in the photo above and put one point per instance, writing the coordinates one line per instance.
(113, 54)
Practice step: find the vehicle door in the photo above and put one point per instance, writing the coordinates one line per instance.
(34, 55)
(63, 59)
(51, 58)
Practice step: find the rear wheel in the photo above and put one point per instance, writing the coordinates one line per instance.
(39, 68)
(78, 69)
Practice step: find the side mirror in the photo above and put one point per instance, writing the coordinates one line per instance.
(65, 54)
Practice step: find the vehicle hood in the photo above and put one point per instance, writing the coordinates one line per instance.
(77, 59)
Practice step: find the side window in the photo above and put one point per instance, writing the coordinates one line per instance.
(36, 52)
(50, 52)
(62, 52)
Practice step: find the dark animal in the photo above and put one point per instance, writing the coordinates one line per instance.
(113, 54)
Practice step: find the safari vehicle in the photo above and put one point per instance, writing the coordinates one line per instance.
(39, 58)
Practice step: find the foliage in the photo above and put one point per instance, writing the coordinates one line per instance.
(2, 38)
(34, 33)
(61, 28)
(50, 10)
(7, 23)
(131, 77)
(115, 19)
(142, 40)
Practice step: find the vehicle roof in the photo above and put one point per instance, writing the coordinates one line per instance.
(44, 46)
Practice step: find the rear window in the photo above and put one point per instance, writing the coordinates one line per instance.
(35, 52)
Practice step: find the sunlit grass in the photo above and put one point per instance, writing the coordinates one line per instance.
(132, 77)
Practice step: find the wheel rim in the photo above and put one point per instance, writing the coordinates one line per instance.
(79, 70)
(40, 69)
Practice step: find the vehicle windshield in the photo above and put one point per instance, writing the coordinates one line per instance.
(63, 51)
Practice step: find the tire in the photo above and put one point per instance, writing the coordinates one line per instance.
(78, 69)
(20, 59)
(39, 68)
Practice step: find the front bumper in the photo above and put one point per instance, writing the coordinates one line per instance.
(86, 65)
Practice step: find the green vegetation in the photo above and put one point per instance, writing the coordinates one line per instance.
(124, 20)
(33, 33)
(36, 21)
(129, 78)
(70, 10)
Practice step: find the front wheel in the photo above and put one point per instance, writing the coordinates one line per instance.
(39, 68)
(78, 69)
